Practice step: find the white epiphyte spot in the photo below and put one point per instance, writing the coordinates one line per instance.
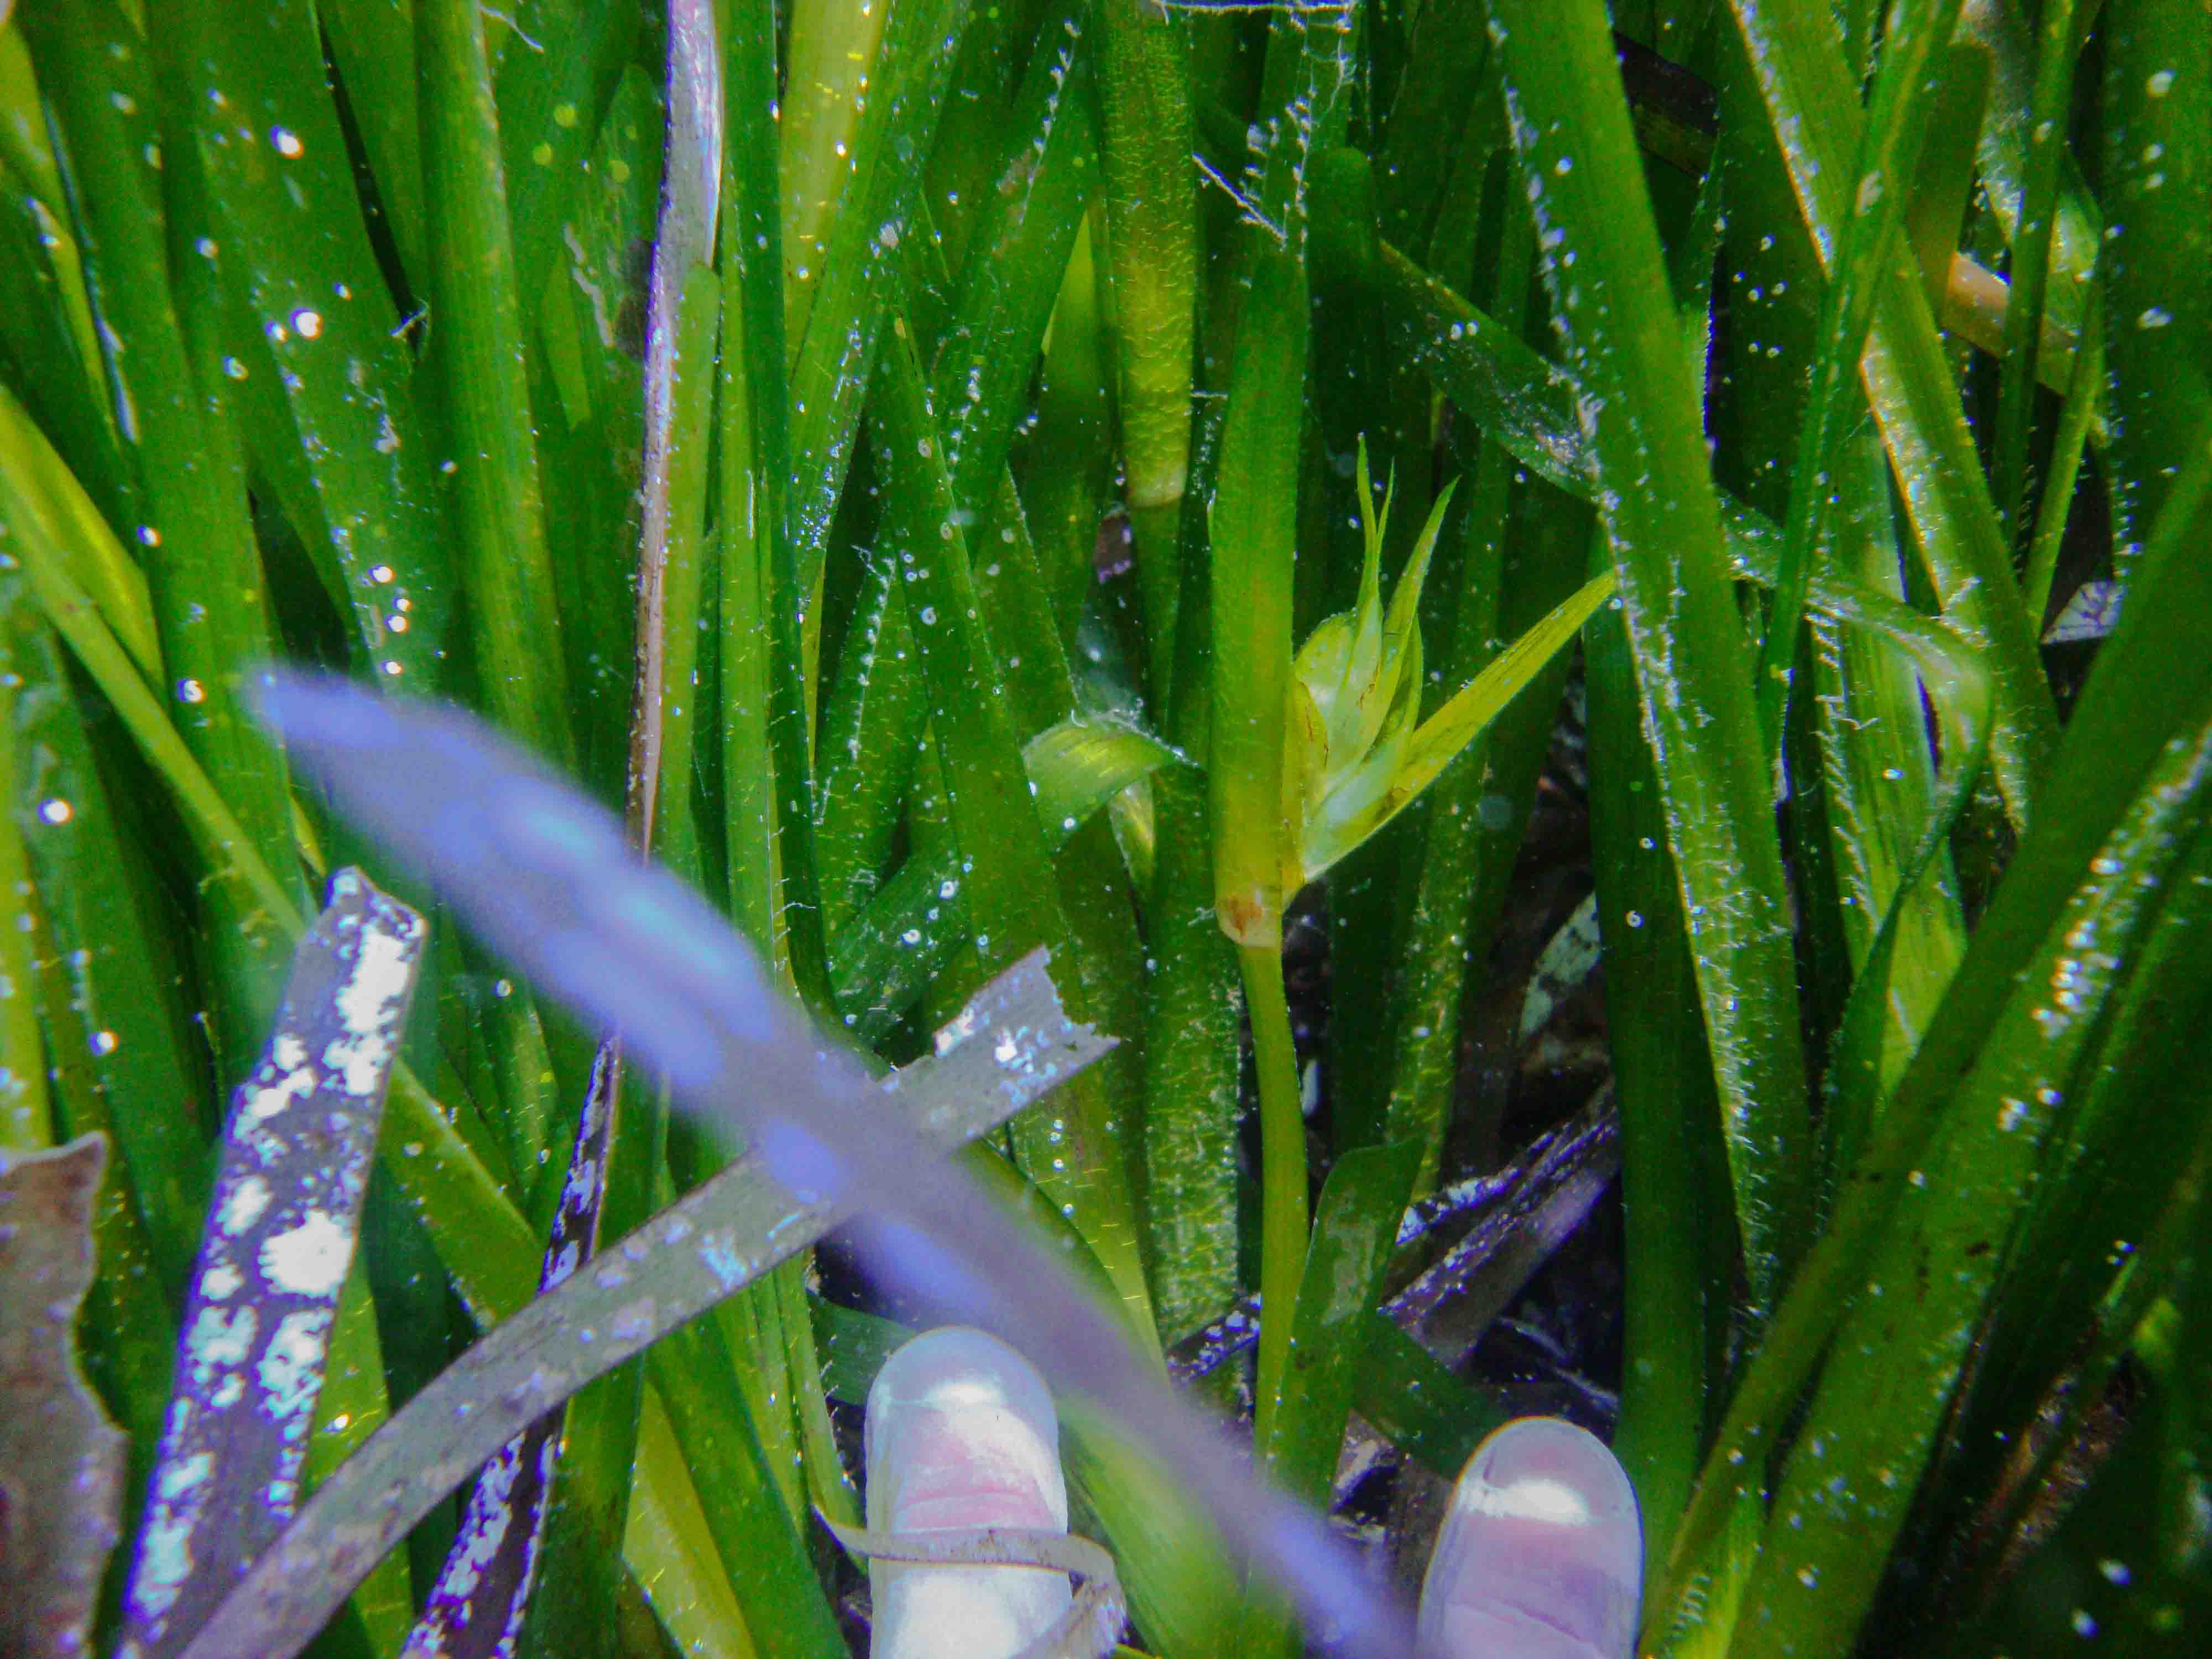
(55, 810)
(184, 1474)
(291, 1368)
(565, 1264)
(220, 1282)
(361, 1058)
(220, 1338)
(243, 1207)
(264, 1103)
(310, 1258)
(490, 1514)
(165, 1561)
(307, 324)
(286, 143)
(378, 981)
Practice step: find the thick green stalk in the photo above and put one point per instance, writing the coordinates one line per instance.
(1255, 528)
(1282, 1182)
(1256, 510)
(1191, 1053)
(1191, 1066)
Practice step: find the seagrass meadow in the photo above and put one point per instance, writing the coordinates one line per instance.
(1490, 707)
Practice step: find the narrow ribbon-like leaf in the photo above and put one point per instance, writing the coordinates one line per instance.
(279, 1241)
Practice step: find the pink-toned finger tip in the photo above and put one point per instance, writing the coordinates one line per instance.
(1541, 1556)
(962, 1433)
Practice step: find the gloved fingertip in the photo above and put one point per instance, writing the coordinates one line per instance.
(1541, 1556)
(961, 1432)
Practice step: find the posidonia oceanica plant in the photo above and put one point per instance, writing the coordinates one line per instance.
(1709, 868)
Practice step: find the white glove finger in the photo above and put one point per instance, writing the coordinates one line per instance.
(1541, 1556)
(962, 1433)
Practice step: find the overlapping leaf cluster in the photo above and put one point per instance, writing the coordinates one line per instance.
(914, 455)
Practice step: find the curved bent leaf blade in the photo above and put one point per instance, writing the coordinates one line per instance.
(61, 1460)
(1355, 1225)
(1079, 765)
(280, 1237)
(1009, 1047)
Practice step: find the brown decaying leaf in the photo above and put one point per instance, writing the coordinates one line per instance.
(61, 1460)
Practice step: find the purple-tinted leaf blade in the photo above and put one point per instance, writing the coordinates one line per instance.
(61, 1460)
(280, 1237)
(1010, 1047)
(482, 1591)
